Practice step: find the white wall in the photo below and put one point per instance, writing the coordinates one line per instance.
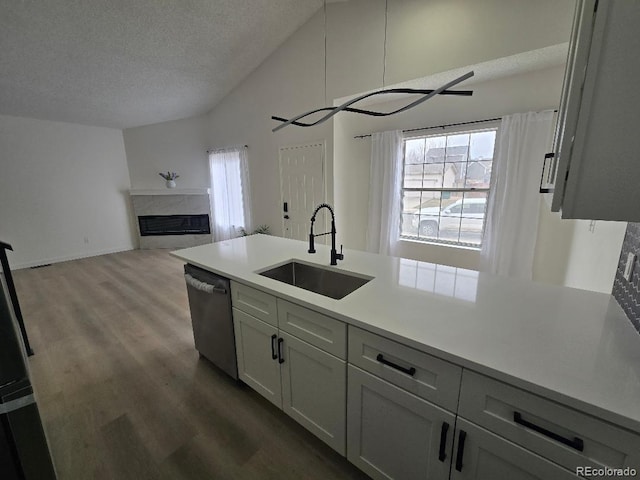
(289, 82)
(430, 36)
(594, 254)
(63, 191)
(423, 37)
(178, 146)
(532, 91)
(553, 246)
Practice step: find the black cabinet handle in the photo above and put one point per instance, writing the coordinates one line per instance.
(462, 436)
(409, 371)
(576, 443)
(280, 358)
(550, 173)
(273, 346)
(443, 441)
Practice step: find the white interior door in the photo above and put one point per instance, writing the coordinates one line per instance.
(302, 189)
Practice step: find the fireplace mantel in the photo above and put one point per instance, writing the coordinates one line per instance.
(169, 191)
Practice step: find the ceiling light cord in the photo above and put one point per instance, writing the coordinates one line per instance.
(325, 52)
(384, 49)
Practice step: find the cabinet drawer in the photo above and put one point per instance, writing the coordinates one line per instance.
(254, 302)
(566, 436)
(319, 330)
(434, 379)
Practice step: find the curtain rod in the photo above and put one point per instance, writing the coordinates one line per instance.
(212, 150)
(486, 120)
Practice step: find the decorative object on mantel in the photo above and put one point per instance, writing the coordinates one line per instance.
(170, 178)
(426, 94)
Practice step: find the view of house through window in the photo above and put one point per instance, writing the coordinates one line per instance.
(445, 186)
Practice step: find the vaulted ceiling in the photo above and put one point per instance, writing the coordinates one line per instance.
(122, 64)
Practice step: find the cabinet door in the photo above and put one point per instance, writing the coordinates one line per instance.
(481, 455)
(256, 343)
(392, 434)
(579, 45)
(314, 390)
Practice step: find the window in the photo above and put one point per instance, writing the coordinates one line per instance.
(446, 182)
(230, 201)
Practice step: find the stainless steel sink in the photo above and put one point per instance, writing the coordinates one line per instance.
(324, 281)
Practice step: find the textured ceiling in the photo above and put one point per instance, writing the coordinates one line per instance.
(124, 63)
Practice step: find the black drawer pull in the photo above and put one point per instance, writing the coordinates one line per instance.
(274, 355)
(462, 436)
(409, 371)
(280, 358)
(576, 443)
(443, 441)
(550, 173)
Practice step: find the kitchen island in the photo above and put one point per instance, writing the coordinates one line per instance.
(572, 348)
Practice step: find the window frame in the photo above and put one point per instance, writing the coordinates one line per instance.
(445, 132)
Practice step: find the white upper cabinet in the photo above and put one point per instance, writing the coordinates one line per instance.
(595, 169)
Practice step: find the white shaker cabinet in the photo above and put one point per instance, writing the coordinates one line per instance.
(256, 347)
(481, 455)
(308, 383)
(400, 409)
(393, 434)
(595, 169)
(314, 390)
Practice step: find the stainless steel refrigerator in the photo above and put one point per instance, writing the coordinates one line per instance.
(24, 452)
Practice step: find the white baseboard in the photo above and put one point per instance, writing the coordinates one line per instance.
(67, 258)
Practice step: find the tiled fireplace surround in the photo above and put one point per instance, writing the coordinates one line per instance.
(171, 202)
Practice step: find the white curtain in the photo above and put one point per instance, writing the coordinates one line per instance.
(230, 192)
(383, 227)
(514, 200)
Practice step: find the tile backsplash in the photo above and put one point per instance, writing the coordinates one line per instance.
(628, 293)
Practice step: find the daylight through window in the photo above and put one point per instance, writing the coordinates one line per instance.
(445, 186)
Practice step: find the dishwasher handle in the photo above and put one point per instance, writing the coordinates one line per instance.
(203, 286)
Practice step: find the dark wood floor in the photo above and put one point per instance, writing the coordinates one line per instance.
(124, 395)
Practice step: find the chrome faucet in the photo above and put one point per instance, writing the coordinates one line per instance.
(335, 256)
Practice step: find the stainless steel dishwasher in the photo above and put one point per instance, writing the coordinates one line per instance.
(210, 304)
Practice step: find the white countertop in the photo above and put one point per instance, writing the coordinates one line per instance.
(572, 346)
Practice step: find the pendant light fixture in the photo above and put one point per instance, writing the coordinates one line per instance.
(347, 106)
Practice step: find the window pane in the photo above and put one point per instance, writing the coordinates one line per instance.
(433, 175)
(473, 215)
(435, 147)
(413, 176)
(428, 216)
(414, 151)
(450, 216)
(478, 175)
(460, 140)
(410, 213)
(454, 175)
(409, 226)
(481, 145)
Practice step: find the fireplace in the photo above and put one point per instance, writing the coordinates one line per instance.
(174, 225)
(172, 217)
